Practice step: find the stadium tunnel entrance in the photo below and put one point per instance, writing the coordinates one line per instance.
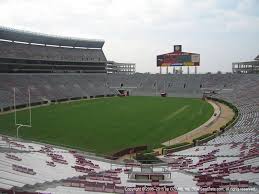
(123, 91)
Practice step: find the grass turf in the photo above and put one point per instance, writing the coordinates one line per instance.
(107, 125)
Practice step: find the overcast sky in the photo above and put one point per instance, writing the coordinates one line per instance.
(222, 31)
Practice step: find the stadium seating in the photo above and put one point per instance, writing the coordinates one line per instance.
(48, 53)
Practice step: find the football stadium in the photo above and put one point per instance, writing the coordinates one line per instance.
(72, 121)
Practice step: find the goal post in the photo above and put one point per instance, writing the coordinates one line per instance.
(17, 124)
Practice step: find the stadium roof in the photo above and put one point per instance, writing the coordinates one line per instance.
(39, 38)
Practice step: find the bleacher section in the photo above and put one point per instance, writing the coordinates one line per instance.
(38, 52)
(50, 87)
(59, 86)
(22, 51)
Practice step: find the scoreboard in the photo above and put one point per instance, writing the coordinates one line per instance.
(178, 58)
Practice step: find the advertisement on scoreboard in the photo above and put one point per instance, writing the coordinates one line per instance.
(178, 59)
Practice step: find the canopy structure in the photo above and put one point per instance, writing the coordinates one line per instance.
(39, 38)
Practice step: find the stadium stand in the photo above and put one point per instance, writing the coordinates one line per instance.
(38, 52)
(22, 51)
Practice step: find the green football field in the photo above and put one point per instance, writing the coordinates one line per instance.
(107, 125)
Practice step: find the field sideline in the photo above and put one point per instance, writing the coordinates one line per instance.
(107, 125)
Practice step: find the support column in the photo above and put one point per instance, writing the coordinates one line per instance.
(174, 70)
(160, 70)
(166, 69)
(195, 69)
(188, 70)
